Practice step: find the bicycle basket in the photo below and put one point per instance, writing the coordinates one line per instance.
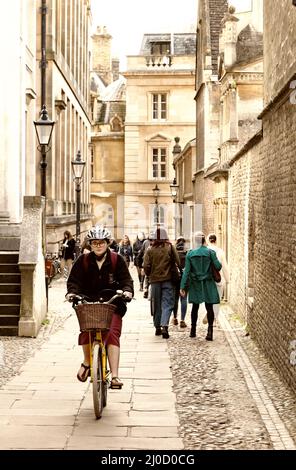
(95, 316)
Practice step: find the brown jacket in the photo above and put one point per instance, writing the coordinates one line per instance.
(158, 261)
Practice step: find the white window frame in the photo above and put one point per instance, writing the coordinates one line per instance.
(159, 152)
(156, 106)
(157, 141)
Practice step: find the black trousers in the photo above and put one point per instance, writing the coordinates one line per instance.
(194, 314)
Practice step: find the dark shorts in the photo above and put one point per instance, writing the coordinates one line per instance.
(109, 337)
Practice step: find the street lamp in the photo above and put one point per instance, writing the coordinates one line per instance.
(174, 189)
(44, 127)
(156, 192)
(78, 169)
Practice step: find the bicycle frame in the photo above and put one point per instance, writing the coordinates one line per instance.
(99, 373)
(98, 363)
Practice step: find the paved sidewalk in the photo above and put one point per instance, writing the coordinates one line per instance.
(45, 407)
(222, 394)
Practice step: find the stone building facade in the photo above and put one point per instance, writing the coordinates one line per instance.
(68, 103)
(66, 93)
(210, 15)
(108, 105)
(160, 107)
(228, 100)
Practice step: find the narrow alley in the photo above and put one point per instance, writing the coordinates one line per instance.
(181, 393)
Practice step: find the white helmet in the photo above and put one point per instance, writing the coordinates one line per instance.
(98, 232)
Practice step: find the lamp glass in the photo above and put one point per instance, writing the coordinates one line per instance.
(44, 127)
(174, 188)
(156, 191)
(78, 167)
(44, 131)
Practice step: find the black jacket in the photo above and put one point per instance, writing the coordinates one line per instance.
(87, 279)
(136, 250)
(68, 252)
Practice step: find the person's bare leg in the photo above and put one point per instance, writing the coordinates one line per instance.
(113, 358)
(86, 359)
(86, 354)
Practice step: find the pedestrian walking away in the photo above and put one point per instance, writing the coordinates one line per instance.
(97, 275)
(221, 286)
(137, 246)
(180, 247)
(140, 260)
(157, 265)
(198, 281)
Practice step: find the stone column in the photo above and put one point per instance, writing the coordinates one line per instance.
(229, 37)
(31, 264)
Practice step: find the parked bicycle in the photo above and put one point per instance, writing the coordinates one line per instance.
(52, 266)
(96, 317)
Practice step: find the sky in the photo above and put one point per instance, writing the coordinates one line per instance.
(128, 20)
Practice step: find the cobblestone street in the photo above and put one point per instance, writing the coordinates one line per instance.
(225, 394)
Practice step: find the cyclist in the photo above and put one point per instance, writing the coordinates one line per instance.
(95, 272)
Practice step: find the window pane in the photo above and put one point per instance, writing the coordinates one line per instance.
(155, 171)
(155, 106)
(163, 106)
(162, 171)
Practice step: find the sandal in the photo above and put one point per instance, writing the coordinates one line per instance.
(86, 373)
(116, 383)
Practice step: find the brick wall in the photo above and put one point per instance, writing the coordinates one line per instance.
(274, 194)
(262, 238)
(238, 194)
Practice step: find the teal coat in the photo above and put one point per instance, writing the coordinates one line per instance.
(197, 277)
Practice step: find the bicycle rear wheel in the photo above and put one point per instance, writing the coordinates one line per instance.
(98, 387)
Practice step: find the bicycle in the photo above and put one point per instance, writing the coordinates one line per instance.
(52, 266)
(96, 317)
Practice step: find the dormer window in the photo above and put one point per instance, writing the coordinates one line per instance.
(160, 48)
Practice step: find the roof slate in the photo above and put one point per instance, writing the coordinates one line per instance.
(184, 43)
(217, 10)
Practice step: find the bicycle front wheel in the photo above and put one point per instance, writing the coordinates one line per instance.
(97, 381)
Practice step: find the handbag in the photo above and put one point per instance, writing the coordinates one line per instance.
(175, 271)
(215, 273)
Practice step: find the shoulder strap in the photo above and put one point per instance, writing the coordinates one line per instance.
(114, 257)
(85, 261)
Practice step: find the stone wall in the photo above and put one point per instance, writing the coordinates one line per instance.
(203, 194)
(280, 44)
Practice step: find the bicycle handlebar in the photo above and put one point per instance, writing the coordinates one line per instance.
(76, 299)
